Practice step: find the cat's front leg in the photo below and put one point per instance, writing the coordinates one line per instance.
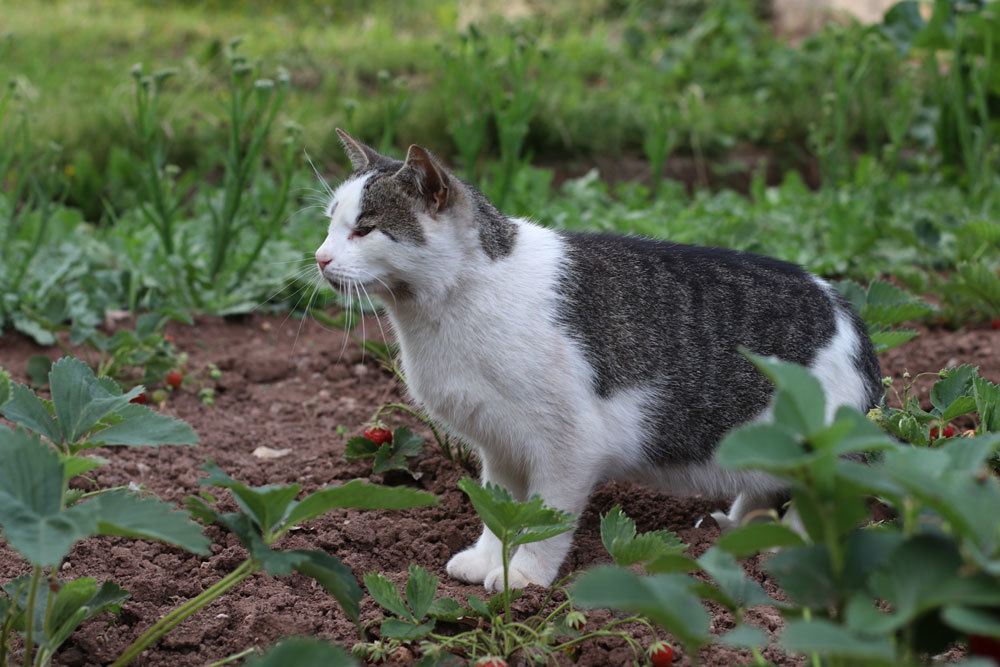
(474, 564)
(563, 487)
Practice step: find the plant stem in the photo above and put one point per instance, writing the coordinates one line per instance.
(173, 618)
(235, 656)
(29, 621)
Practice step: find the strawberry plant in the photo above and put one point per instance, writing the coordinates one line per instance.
(887, 593)
(86, 412)
(486, 631)
(388, 450)
(142, 354)
(266, 513)
(958, 392)
(42, 520)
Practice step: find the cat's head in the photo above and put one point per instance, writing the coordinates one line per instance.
(408, 227)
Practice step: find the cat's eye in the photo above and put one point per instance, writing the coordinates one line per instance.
(358, 232)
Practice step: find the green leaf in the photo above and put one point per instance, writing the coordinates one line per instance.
(130, 515)
(760, 446)
(38, 370)
(5, 385)
(955, 384)
(665, 598)
(266, 505)
(515, 523)
(753, 538)
(805, 574)
(618, 534)
(80, 399)
(76, 603)
(740, 591)
(888, 340)
(81, 465)
(406, 442)
(987, 397)
(479, 606)
(799, 403)
(358, 494)
(33, 520)
(420, 589)
(902, 23)
(301, 652)
(394, 628)
(141, 426)
(744, 636)
(832, 641)
(360, 447)
(446, 609)
(924, 573)
(972, 621)
(335, 577)
(387, 595)
(27, 410)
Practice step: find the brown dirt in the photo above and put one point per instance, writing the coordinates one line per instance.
(284, 387)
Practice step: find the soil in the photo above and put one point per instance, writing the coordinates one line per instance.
(285, 385)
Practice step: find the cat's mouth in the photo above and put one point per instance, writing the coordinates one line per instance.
(350, 286)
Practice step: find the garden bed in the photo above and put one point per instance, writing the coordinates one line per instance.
(286, 386)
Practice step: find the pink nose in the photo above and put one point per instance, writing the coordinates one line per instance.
(323, 260)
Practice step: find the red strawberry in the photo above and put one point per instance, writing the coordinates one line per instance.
(141, 399)
(995, 324)
(174, 379)
(660, 654)
(984, 646)
(491, 661)
(947, 432)
(379, 435)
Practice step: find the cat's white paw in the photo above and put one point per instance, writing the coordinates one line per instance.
(525, 569)
(726, 524)
(517, 579)
(473, 565)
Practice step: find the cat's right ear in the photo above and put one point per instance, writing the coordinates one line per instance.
(360, 155)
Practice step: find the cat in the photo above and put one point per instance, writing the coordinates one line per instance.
(567, 359)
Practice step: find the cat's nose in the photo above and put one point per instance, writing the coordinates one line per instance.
(323, 260)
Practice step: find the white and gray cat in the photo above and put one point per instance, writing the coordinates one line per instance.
(569, 359)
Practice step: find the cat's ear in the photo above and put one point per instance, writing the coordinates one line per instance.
(429, 177)
(360, 155)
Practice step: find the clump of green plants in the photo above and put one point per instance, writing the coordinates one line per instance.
(42, 516)
(86, 412)
(488, 631)
(959, 392)
(237, 220)
(856, 591)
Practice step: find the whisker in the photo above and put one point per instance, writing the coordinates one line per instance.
(322, 180)
(378, 320)
(298, 275)
(361, 316)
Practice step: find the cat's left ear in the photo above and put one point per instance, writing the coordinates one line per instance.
(428, 176)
